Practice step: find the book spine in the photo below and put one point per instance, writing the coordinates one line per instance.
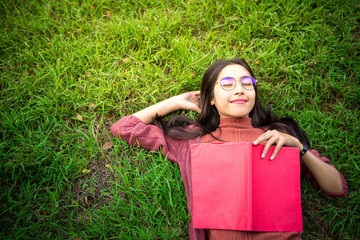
(249, 182)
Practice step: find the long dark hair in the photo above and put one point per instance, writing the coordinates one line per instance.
(209, 119)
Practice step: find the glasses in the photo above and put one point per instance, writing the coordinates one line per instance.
(229, 83)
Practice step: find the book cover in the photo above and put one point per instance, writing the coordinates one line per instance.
(235, 189)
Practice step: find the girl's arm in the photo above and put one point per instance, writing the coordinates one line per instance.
(326, 175)
(136, 130)
(185, 101)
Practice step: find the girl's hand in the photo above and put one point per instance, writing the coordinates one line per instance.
(274, 137)
(189, 101)
(185, 101)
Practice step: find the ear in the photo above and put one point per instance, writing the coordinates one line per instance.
(212, 102)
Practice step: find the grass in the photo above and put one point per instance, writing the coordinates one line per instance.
(70, 69)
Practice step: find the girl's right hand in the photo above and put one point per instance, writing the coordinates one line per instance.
(189, 101)
(185, 101)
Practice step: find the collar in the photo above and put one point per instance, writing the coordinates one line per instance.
(243, 123)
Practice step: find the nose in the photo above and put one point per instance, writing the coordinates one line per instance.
(238, 88)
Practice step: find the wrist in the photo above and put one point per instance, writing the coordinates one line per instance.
(174, 103)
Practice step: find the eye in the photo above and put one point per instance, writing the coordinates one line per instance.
(247, 81)
(227, 82)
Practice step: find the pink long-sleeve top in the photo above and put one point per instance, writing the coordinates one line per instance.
(134, 131)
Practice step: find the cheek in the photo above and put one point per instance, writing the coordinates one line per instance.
(252, 98)
(252, 95)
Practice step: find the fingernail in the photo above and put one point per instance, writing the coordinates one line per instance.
(272, 158)
(263, 156)
(255, 142)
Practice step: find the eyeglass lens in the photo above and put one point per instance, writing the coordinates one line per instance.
(228, 83)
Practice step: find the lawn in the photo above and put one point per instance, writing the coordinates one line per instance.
(70, 69)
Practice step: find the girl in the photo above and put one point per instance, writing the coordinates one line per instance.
(229, 111)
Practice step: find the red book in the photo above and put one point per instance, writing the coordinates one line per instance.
(235, 189)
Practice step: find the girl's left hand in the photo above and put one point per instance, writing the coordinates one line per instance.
(274, 137)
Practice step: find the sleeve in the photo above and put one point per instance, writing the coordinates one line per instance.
(135, 132)
(307, 174)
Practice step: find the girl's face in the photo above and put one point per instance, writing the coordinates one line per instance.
(238, 102)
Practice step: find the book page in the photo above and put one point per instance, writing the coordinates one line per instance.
(276, 190)
(220, 186)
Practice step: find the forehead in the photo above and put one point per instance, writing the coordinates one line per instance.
(233, 70)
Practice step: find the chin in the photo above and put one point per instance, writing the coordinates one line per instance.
(241, 115)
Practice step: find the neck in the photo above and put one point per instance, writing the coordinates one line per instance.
(244, 122)
(235, 130)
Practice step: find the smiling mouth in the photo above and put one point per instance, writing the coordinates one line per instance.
(239, 101)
